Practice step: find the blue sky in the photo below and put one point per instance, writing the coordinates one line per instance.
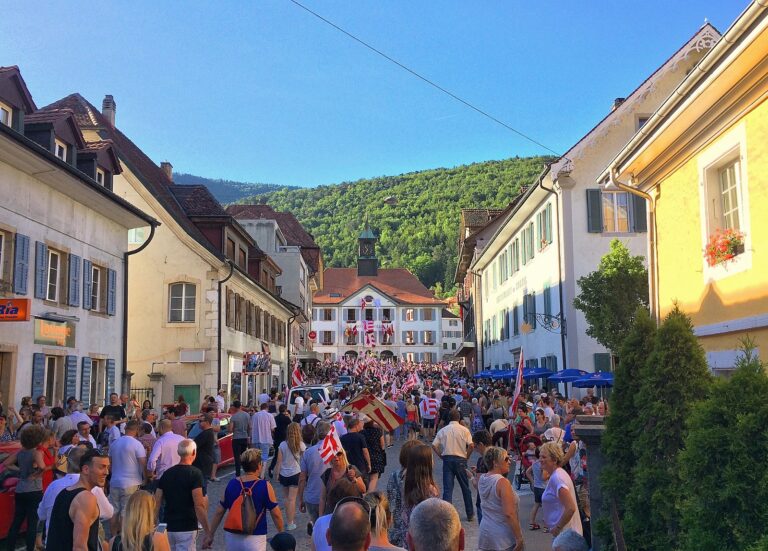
(262, 91)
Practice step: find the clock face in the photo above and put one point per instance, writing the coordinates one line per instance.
(366, 249)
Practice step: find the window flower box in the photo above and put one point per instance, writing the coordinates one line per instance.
(723, 246)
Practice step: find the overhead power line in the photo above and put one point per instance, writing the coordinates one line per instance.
(423, 78)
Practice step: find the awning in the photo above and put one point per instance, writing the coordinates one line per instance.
(465, 349)
(308, 355)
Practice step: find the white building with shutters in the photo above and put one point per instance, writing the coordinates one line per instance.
(558, 229)
(405, 317)
(63, 236)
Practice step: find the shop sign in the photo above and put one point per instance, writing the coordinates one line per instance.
(312, 335)
(57, 333)
(14, 309)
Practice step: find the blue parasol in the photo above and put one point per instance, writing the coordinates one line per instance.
(567, 375)
(599, 379)
(537, 373)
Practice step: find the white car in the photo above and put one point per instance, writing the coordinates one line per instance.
(321, 393)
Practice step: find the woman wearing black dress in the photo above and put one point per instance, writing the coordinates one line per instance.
(374, 437)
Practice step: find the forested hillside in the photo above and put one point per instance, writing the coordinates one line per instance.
(420, 231)
(226, 191)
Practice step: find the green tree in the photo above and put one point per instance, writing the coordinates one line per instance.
(725, 503)
(672, 380)
(611, 295)
(622, 425)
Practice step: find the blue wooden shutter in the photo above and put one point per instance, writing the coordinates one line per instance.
(70, 376)
(41, 268)
(85, 382)
(87, 283)
(548, 301)
(111, 291)
(594, 211)
(639, 223)
(38, 374)
(20, 264)
(515, 321)
(110, 378)
(73, 298)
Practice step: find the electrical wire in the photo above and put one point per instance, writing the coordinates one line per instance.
(423, 78)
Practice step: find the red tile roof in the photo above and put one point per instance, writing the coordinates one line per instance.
(294, 232)
(196, 200)
(397, 283)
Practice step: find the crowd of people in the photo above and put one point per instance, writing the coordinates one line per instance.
(124, 477)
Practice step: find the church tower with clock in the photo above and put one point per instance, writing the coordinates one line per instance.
(367, 263)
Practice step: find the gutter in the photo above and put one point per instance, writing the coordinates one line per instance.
(563, 334)
(126, 257)
(218, 347)
(288, 344)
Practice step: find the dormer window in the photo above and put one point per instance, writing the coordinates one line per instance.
(101, 177)
(5, 114)
(60, 150)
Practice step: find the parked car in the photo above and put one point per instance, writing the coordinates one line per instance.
(321, 393)
(342, 381)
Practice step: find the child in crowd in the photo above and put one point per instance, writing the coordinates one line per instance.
(538, 478)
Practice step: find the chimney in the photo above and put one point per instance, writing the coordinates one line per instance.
(168, 169)
(108, 108)
(616, 103)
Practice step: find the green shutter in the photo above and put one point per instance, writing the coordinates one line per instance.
(594, 211)
(38, 374)
(548, 227)
(639, 222)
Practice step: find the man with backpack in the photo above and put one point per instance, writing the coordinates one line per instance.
(181, 487)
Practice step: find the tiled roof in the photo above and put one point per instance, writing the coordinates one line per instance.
(397, 283)
(150, 174)
(294, 232)
(48, 115)
(448, 314)
(13, 72)
(99, 145)
(478, 217)
(196, 200)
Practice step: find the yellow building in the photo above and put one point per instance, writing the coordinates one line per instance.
(701, 161)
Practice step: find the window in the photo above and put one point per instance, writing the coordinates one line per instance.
(410, 337)
(100, 176)
(410, 314)
(60, 150)
(54, 272)
(453, 323)
(181, 304)
(729, 196)
(386, 338)
(516, 255)
(529, 310)
(97, 282)
(242, 259)
(429, 314)
(5, 114)
(98, 381)
(351, 338)
(351, 314)
(386, 315)
(544, 227)
(527, 238)
(327, 337)
(616, 212)
(369, 314)
(429, 337)
(230, 252)
(137, 236)
(54, 378)
(641, 120)
(453, 346)
(327, 314)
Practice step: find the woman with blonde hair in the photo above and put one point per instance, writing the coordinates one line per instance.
(288, 467)
(500, 527)
(139, 531)
(381, 520)
(558, 502)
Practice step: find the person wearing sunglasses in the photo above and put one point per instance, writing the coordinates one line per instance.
(500, 527)
(350, 526)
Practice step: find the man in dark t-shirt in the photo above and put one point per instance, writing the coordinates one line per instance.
(115, 409)
(282, 420)
(206, 443)
(182, 489)
(356, 447)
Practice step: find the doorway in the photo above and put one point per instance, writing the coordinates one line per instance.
(191, 395)
(5, 380)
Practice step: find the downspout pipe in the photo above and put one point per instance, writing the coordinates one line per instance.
(126, 256)
(564, 327)
(653, 256)
(288, 345)
(221, 283)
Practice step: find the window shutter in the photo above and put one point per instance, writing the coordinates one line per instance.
(602, 361)
(70, 376)
(594, 211)
(515, 321)
(539, 228)
(549, 223)
(73, 298)
(87, 283)
(20, 264)
(41, 268)
(532, 310)
(404, 341)
(38, 374)
(543, 362)
(553, 363)
(403, 313)
(333, 315)
(85, 381)
(110, 378)
(639, 222)
(548, 301)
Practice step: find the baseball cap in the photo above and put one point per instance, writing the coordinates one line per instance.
(283, 541)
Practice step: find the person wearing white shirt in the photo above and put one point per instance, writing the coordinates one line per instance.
(263, 398)
(78, 416)
(312, 418)
(220, 400)
(263, 427)
(84, 431)
(128, 463)
(54, 489)
(298, 409)
(164, 454)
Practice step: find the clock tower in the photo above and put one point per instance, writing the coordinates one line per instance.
(367, 263)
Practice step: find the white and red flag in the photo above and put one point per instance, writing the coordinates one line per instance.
(297, 379)
(446, 380)
(368, 404)
(518, 383)
(331, 445)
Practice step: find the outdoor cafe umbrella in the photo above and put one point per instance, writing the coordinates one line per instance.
(537, 373)
(600, 379)
(566, 376)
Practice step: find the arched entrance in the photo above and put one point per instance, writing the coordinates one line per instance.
(386, 355)
(350, 355)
